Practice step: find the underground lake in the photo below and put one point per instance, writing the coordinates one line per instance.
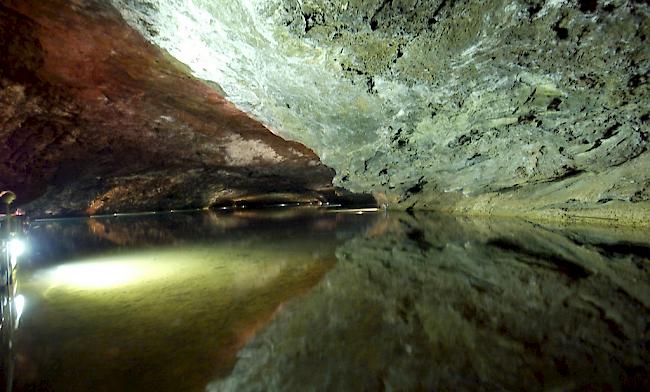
(320, 299)
(505, 143)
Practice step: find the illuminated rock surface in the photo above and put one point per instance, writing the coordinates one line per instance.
(509, 107)
(94, 119)
(505, 107)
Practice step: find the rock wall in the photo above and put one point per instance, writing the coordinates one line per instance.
(93, 119)
(501, 106)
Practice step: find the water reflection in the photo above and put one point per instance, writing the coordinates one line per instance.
(297, 299)
(12, 247)
(431, 302)
(161, 302)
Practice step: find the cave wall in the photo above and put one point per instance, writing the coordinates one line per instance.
(94, 119)
(504, 107)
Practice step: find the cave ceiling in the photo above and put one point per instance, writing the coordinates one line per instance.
(494, 106)
(533, 108)
(94, 119)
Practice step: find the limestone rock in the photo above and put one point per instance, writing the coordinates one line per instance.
(487, 107)
(93, 119)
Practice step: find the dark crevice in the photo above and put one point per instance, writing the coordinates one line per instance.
(552, 261)
(615, 328)
(465, 139)
(397, 135)
(373, 20)
(623, 249)
(555, 104)
(370, 82)
(588, 5)
(609, 8)
(433, 18)
(609, 132)
(637, 80)
(417, 236)
(631, 157)
(417, 188)
(508, 188)
(644, 118)
(534, 10)
(527, 118)
(570, 172)
(561, 32)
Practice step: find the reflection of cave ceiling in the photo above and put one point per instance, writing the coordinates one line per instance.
(486, 106)
(94, 119)
(440, 303)
(501, 106)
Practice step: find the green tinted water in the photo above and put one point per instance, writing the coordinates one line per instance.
(158, 303)
(322, 300)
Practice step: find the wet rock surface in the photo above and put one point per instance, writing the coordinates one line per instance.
(431, 302)
(94, 119)
(509, 107)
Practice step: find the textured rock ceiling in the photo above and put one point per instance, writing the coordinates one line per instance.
(510, 107)
(496, 106)
(94, 119)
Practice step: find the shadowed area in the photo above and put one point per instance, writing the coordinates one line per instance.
(94, 119)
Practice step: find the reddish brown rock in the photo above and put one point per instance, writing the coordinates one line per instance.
(94, 119)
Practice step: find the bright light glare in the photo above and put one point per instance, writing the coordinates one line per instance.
(16, 247)
(96, 275)
(19, 304)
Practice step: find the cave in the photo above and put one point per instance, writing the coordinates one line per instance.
(226, 195)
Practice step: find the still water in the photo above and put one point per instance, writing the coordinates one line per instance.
(306, 299)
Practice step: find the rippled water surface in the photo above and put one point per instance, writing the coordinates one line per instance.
(304, 299)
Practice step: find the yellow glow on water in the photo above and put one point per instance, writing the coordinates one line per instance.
(137, 269)
(97, 275)
(19, 303)
(16, 247)
(170, 315)
(140, 270)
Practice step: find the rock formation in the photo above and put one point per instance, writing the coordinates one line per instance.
(519, 107)
(510, 107)
(94, 119)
